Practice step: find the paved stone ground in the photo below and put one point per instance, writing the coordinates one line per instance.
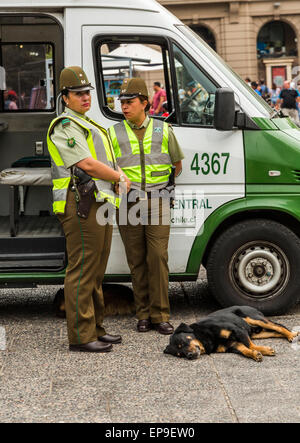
(41, 381)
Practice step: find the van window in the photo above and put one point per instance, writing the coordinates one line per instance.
(194, 99)
(196, 92)
(28, 71)
(147, 60)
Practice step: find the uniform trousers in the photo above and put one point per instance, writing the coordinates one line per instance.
(88, 248)
(292, 113)
(146, 246)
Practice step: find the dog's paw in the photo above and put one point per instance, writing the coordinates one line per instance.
(270, 351)
(294, 336)
(257, 356)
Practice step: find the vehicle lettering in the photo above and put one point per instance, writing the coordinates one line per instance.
(216, 163)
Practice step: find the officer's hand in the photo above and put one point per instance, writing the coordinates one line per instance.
(123, 187)
(128, 183)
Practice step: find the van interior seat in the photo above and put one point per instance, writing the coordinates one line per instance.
(16, 178)
(26, 177)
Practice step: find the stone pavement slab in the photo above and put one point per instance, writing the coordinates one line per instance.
(41, 381)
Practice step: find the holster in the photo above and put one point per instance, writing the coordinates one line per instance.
(86, 192)
(171, 187)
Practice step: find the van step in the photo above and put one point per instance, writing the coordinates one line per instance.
(29, 264)
(24, 254)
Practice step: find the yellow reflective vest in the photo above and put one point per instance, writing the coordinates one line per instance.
(146, 162)
(100, 148)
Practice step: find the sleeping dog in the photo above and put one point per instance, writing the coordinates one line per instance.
(227, 330)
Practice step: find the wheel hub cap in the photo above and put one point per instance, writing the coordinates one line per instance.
(260, 269)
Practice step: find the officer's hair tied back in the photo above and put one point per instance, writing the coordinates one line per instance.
(65, 93)
(144, 98)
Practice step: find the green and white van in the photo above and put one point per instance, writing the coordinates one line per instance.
(237, 209)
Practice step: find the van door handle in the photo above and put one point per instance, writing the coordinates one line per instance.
(3, 126)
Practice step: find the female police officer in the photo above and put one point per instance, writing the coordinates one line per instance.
(76, 140)
(146, 149)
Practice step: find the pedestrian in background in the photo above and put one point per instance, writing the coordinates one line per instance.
(288, 99)
(264, 90)
(11, 101)
(248, 81)
(255, 86)
(165, 109)
(159, 97)
(274, 93)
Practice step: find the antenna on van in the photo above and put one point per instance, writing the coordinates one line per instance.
(59, 106)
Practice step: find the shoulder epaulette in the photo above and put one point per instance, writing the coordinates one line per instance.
(65, 122)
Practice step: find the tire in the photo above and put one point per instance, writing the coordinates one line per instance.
(256, 263)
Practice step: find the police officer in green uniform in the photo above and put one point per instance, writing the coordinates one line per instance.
(74, 140)
(146, 149)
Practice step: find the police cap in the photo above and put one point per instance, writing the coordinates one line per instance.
(73, 78)
(133, 87)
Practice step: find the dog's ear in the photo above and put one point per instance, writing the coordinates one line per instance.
(170, 350)
(183, 327)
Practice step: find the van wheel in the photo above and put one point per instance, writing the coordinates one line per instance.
(256, 263)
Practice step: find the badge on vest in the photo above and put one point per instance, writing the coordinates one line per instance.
(158, 130)
(71, 142)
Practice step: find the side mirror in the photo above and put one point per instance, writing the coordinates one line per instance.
(224, 113)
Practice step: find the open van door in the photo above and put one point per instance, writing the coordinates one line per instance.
(213, 168)
(31, 57)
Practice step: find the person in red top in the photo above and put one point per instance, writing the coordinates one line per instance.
(165, 109)
(159, 97)
(11, 100)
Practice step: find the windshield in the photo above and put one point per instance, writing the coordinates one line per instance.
(252, 96)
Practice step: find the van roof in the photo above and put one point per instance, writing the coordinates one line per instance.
(151, 5)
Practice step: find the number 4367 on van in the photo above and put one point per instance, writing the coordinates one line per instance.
(237, 209)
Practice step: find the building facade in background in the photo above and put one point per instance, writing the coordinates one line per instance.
(258, 38)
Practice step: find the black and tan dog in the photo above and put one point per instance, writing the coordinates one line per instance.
(118, 300)
(227, 330)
